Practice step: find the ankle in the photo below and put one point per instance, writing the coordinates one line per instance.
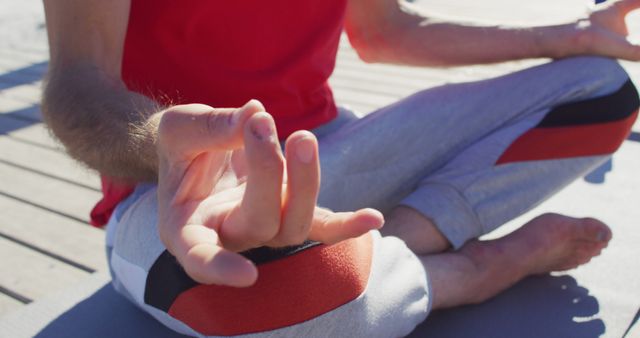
(419, 233)
(494, 265)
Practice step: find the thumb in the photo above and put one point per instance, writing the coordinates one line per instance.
(329, 227)
(627, 6)
(618, 47)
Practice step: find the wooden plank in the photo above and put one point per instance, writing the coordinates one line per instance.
(8, 304)
(8, 64)
(89, 308)
(32, 274)
(25, 71)
(371, 98)
(501, 12)
(9, 124)
(14, 78)
(14, 107)
(37, 134)
(27, 131)
(362, 102)
(371, 87)
(49, 194)
(403, 80)
(420, 73)
(55, 234)
(417, 78)
(47, 162)
(30, 92)
(364, 75)
(634, 330)
(24, 56)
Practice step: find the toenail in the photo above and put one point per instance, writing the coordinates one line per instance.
(602, 235)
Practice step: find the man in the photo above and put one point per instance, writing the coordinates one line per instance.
(445, 165)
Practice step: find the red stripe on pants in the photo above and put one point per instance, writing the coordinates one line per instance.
(565, 142)
(288, 291)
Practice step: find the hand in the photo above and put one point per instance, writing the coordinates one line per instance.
(223, 188)
(605, 32)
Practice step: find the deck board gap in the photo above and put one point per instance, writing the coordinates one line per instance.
(633, 323)
(32, 143)
(12, 294)
(42, 207)
(48, 253)
(41, 173)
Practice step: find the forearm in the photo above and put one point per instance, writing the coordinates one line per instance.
(443, 44)
(411, 38)
(101, 123)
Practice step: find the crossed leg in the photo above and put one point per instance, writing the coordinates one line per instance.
(472, 157)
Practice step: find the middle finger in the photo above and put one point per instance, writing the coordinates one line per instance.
(303, 184)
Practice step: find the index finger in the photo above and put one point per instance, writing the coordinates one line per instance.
(332, 227)
(257, 218)
(188, 130)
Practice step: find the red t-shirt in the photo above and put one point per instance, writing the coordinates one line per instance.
(223, 53)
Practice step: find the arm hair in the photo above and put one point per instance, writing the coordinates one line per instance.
(101, 123)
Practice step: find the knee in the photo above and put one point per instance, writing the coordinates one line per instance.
(609, 112)
(593, 126)
(612, 115)
(607, 73)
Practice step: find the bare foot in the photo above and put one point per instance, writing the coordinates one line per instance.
(550, 242)
(563, 242)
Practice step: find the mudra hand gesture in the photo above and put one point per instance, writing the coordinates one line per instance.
(225, 186)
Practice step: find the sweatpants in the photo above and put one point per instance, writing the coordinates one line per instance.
(473, 156)
(469, 156)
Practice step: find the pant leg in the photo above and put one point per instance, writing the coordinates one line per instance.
(437, 150)
(306, 293)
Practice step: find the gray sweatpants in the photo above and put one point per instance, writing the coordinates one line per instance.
(469, 156)
(437, 150)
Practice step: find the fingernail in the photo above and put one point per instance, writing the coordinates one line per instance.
(262, 130)
(305, 150)
(253, 102)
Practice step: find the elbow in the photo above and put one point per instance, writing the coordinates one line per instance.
(400, 51)
(397, 45)
(406, 41)
(50, 102)
(54, 105)
(376, 46)
(67, 93)
(366, 47)
(63, 115)
(56, 117)
(61, 102)
(376, 28)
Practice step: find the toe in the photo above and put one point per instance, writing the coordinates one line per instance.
(584, 251)
(594, 230)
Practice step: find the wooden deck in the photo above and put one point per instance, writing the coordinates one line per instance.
(46, 244)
